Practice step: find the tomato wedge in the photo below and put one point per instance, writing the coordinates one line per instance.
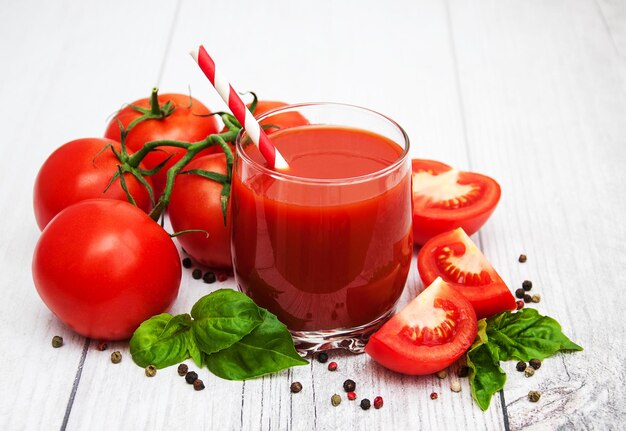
(445, 198)
(427, 335)
(454, 257)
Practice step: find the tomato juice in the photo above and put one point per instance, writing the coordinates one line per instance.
(326, 244)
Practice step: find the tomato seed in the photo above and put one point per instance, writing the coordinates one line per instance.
(352, 396)
(434, 396)
(527, 285)
(520, 305)
(535, 363)
(520, 366)
(151, 371)
(191, 377)
(522, 258)
(209, 277)
(295, 387)
(332, 366)
(222, 276)
(534, 396)
(365, 404)
(536, 298)
(57, 341)
(182, 369)
(187, 263)
(378, 402)
(528, 298)
(349, 385)
(102, 346)
(335, 400)
(196, 274)
(322, 357)
(519, 293)
(198, 385)
(116, 357)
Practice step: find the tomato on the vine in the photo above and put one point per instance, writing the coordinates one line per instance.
(79, 170)
(188, 122)
(103, 266)
(454, 257)
(427, 335)
(196, 204)
(445, 199)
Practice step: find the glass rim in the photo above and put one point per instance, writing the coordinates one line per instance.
(325, 181)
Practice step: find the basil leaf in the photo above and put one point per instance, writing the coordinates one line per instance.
(485, 375)
(526, 334)
(222, 318)
(162, 340)
(267, 349)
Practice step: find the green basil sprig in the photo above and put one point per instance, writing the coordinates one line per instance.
(229, 333)
(520, 336)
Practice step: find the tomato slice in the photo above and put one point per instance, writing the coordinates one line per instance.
(427, 335)
(445, 198)
(454, 257)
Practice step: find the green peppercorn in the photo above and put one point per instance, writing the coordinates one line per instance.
(522, 258)
(535, 363)
(182, 369)
(335, 400)
(442, 374)
(534, 396)
(535, 298)
(527, 285)
(116, 357)
(521, 366)
(365, 404)
(57, 341)
(151, 371)
(295, 387)
(349, 385)
(529, 371)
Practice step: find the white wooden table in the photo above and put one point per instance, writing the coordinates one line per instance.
(530, 92)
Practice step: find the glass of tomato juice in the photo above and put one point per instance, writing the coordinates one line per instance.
(325, 245)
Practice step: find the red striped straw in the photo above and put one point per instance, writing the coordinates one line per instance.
(239, 109)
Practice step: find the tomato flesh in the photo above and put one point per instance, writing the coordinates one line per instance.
(455, 258)
(427, 335)
(445, 198)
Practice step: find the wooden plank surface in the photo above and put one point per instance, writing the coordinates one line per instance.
(531, 93)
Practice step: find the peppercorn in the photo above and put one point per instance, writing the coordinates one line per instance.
(463, 371)
(455, 386)
(434, 396)
(116, 357)
(335, 400)
(191, 377)
(529, 371)
(442, 374)
(187, 262)
(57, 341)
(527, 298)
(102, 346)
(534, 396)
(209, 277)
(296, 387)
(521, 366)
(151, 371)
(365, 404)
(182, 369)
(520, 304)
(527, 285)
(349, 385)
(522, 258)
(378, 402)
(352, 396)
(535, 298)
(519, 293)
(322, 357)
(196, 274)
(332, 366)
(198, 385)
(222, 276)
(535, 363)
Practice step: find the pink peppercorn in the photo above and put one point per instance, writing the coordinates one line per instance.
(352, 396)
(222, 276)
(332, 366)
(378, 402)
(520, 305)
(434, 396)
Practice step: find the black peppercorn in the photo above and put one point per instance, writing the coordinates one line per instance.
(196, 274)
(322, 357)
(522, 258)
(528, 298)
(198, 385)
(209, 277)
(191, 377)
(295, 387)
(519, 293)
(521, 366)
(349, 385)
(187, 262)
(463, 371)
(527, 285)
(182, 369)
(535, 363)
(57, 341)
(365, 404)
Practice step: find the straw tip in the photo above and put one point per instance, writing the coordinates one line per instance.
(194, 54)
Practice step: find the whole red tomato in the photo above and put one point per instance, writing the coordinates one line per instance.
(196, 204)
(188, 122)
(80, 170)
(103, 266)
